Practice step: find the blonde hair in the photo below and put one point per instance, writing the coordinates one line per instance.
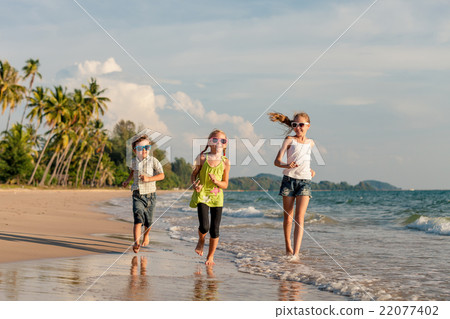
(215, 132)
(283, 119)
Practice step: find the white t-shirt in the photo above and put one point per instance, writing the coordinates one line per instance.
(300, 154)
(149, 166)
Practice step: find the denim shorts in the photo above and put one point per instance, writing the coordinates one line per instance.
(295, 187)
(143, 207)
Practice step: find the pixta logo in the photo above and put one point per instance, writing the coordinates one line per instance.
(253, 151)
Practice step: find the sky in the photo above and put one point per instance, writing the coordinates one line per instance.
(376, 88)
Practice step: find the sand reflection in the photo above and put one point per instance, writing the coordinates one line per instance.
(205, 287)
(290, 291)
(138, 287)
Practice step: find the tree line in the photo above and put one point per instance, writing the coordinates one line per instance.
(75, 150)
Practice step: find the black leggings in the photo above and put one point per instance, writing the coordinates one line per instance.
(203, 218)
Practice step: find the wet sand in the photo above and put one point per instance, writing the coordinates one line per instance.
(36, 226)
(167, 270)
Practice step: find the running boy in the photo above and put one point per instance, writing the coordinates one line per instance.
(145, 171)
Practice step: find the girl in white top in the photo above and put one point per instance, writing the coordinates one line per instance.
(296, 184)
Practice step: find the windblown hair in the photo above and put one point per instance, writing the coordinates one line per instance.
(283, 119)
(213, 133)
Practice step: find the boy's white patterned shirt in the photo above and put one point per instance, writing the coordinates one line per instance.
(149, 166)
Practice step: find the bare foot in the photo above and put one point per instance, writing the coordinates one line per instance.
(210, 262)
(145, 241)
(200, 245)
(289, 252)
(136, 247)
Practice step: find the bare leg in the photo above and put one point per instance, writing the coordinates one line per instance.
(137, 237)
(300, 211)
(200, 244)
(146, 239)
(143, 265)
(134, 266)
(288, 206)
(212, 249)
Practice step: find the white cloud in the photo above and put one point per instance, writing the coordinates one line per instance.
(98, 68)
(243, 127)
(129, 101)
(185, 103)
(135, 102)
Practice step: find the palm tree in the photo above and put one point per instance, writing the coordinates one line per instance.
(80, 157)
(89, 151)
(56, 107)
(31, 132)
(94, 98)
(81, 114)
(31, 70)
(56, 152)
(37, 102)
(11, 92)
(108, 169)
(64, 139)
(102, 140)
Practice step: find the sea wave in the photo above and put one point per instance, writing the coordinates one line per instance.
(434, 225)
(247, 212)
(290, 269)
(178, 232)
(316, 218)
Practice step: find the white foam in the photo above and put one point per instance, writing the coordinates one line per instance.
(250, 211)
(435, 225)
(176, 232)
(293, 269)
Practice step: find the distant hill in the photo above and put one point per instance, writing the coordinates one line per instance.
(381, 186)
(273, 182)
(267, 181)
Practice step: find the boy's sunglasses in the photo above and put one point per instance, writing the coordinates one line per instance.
(295, 124)
(215, 140)
(141, 147)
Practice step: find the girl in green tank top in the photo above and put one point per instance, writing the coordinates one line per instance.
(210, 178)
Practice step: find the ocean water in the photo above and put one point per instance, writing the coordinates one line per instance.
(366, 245)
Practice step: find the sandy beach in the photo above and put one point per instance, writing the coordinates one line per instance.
(37, 224)
(55, 245)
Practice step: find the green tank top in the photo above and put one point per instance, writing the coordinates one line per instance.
(210, 194)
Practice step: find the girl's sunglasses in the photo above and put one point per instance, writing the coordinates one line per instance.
(142, 147)
(295, 124)
(215, 140)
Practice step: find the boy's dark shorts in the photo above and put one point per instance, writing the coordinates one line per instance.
(295, 187)
(143, 207)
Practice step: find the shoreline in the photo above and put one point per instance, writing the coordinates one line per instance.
(55, 244)
(167, 270)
